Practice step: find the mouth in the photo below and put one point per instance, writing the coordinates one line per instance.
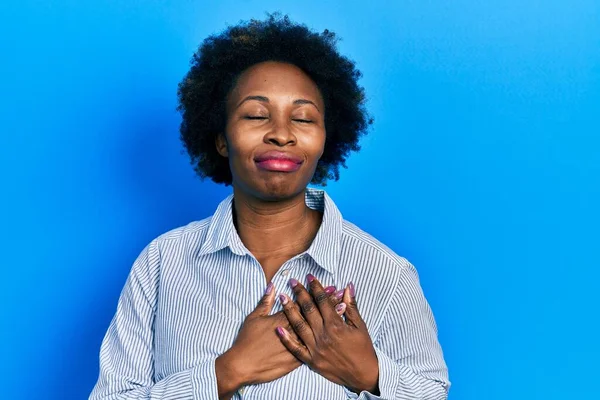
(278, 161)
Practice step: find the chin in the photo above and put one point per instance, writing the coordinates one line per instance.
(280, 188)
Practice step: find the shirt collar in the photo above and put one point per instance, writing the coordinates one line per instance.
(324, 249)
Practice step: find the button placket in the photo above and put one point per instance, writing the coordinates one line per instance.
(287, 267)
(281, 281)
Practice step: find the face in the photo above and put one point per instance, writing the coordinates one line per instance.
(275, 132)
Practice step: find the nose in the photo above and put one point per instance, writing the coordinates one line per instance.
(280, 135)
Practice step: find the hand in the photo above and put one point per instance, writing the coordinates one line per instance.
(341, 351)
(257, 356)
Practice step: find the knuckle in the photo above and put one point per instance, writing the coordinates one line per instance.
(335, 328)
(298, 289)
(327, 340)
(297, 351)
(299, 326)
(307, 307)
(262, 303)
(321, 297)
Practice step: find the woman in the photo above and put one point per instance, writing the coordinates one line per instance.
(245, 303)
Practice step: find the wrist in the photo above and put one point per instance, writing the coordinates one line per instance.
(229, 376)
(368, 382)
(372, 388)
(372, 382)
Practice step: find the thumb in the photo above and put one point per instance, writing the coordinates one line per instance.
(266, 302)
(352, 315)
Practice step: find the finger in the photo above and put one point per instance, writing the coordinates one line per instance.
(330, 290)
(280, 319)
(321, 298)
(297, 322)
(352, 315)
(295, 347)
(309, 309)
(265, 305)
(336, 297)
(340, 309)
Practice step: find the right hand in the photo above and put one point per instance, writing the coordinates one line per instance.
(257, 355)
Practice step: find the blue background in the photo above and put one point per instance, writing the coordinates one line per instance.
(482, 168)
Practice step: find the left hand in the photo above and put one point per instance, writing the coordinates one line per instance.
(341, 351)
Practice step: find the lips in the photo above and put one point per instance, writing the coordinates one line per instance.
(278, 161)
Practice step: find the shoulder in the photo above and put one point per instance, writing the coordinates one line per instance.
(167, 248)
(193, 231)
(356, 240)
(182, 239)
(363, 254)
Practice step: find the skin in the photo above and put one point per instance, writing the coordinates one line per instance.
(276, 106)
(339, 350)
(257, 355)
(272, 218)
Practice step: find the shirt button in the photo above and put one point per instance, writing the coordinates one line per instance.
(242, 390)
(285, 272)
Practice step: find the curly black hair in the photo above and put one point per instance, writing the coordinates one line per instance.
(221, 58)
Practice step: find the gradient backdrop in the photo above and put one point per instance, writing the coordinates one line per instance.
(482, 168)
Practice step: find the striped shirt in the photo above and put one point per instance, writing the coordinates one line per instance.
(189, 290)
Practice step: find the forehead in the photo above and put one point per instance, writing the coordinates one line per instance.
(275, 79)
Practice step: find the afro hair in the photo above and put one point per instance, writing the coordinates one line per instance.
(221, 58)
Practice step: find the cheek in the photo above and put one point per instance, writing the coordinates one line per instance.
(240, 143)
(315, 144)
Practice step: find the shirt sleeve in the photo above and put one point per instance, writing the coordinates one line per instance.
(126, 353)
(411, 362)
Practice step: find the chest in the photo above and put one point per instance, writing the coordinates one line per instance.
(201, 309)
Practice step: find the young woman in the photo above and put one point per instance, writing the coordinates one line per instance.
(275, 296)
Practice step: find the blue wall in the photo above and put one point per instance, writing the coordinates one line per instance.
(482, 168)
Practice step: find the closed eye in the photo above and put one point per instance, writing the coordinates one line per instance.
(254, 117)
(304, 121)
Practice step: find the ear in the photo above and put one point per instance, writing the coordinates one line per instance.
(221, 143)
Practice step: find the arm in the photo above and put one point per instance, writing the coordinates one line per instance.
(411, 363)
(126, 353)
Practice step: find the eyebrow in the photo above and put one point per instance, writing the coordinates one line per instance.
(266, 100)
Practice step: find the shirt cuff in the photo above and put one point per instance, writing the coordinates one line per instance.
(389, 378)
(204, 381)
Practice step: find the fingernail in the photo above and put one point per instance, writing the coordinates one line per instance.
(330, 289)
(269, 288)
(280, 331)
(293, 282)
(283, 299)
(352, 289)
(339, 294)
(310, 278)
(340, 308)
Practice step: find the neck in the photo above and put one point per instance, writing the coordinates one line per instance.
(275, 228)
